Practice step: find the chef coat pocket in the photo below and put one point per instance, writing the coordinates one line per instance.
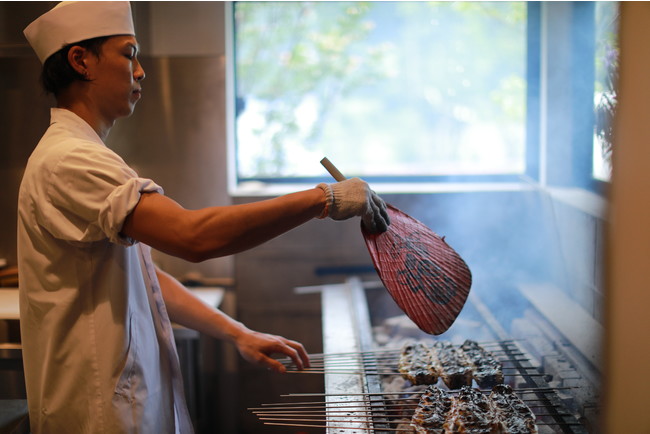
(125, 383)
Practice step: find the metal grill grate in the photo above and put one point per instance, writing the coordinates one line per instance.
(357, 398)
(382, 411)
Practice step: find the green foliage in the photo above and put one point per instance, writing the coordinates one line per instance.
(409, 75)
(607, 51)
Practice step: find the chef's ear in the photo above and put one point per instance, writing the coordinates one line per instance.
(77, 59)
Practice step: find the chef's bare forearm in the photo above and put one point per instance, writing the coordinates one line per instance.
(188, 310)
(197, 235)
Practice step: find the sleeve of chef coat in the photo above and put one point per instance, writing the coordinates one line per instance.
(91, 192)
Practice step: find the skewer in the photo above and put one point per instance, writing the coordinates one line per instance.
(482, 343)
(380, 355)
(398, 351)
(377, 368)
(312, 420)
(398, 429)
(327, 414)
(361, 404)
(391, 358)
(501, 347)
(325, 405)
(374, 372)
(365, 412)
(305, 417)
(378, 361)
(385, 361)
(522, 390)
(334, 427)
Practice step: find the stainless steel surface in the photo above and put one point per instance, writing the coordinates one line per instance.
(341, 334)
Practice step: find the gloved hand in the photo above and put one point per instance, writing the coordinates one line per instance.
(353, 197)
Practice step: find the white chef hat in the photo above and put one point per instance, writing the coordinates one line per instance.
(74, 21)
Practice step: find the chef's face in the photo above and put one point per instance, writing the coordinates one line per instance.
(115, 77)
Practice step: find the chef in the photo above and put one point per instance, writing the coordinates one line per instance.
(98, 347)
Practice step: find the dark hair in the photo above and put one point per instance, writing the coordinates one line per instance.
(57, 73)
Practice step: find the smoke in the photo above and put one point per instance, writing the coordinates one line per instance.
(509, 238)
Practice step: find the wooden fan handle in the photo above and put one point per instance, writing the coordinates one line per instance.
(331, 168)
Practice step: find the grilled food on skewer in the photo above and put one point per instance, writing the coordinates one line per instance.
(453, 366)
(431, 413)
(456, 365)
(416, 364)
(471, 412)
(511, 412)
(487, 370)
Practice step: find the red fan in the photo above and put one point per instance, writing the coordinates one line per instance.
(427, 279)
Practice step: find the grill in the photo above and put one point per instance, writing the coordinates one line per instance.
(363, 333)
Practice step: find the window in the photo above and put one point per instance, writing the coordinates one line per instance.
(424, 91)
(397, 90)
(605, 86)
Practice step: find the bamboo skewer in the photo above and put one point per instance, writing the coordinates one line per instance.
(295, 416)
(566, 424)
(383, 403)
(366, 413)
(482, 343)
(300, 416)
(386, 362)
(366, 372)
(401, 392)
(362, 404)
(379, 355)
(392, 353)
(501, 347)
(333, 414)
(334, 427)
(378, 361)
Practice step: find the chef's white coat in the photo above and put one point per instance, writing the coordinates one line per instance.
(98, 348)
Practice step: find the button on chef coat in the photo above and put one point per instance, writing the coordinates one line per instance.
(98, 347)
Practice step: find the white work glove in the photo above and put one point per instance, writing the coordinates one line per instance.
(353, 197)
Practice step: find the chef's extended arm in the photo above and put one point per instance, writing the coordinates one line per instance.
(188, 310)
(197, 235)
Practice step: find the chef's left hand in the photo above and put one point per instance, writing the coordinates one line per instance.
(353, 197)
(258, 348)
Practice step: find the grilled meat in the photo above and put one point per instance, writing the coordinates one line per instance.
(487, 370)
(452, 364)
(471, 413)
(416, 364)
(431, 413)
(511, 412)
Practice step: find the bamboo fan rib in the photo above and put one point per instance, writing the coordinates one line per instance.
(427, 279)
